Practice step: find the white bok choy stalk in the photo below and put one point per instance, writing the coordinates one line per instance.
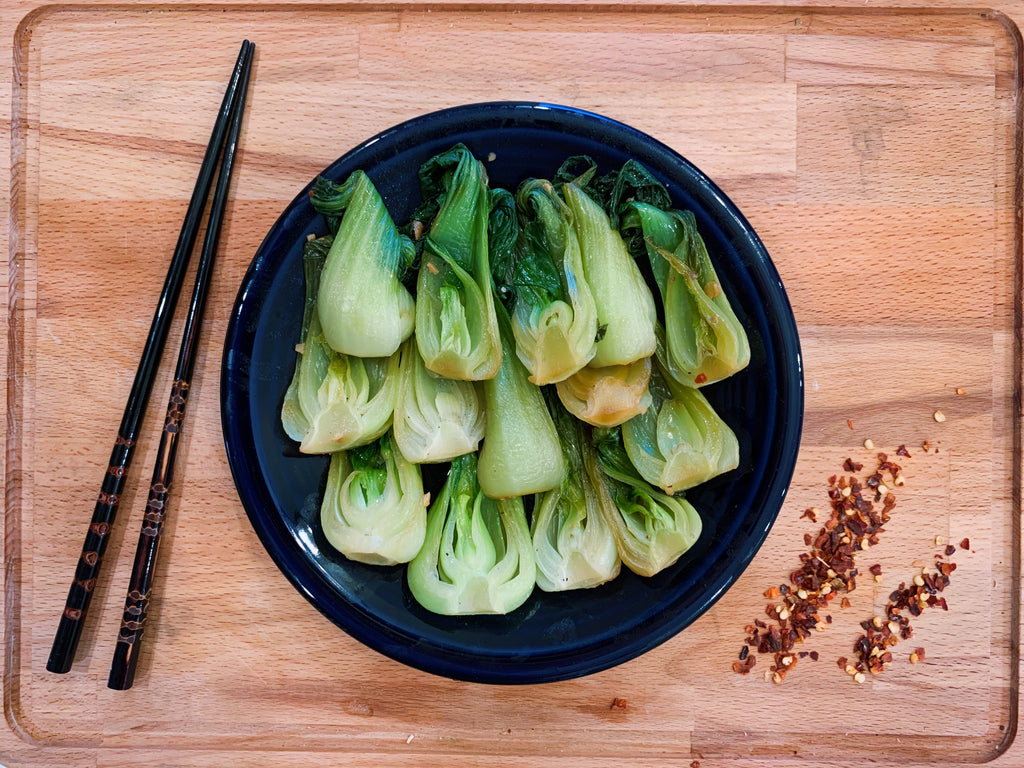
(436, 418)
(626, 312)
(374, 509)
(652, 530)
(680, 441)
(477, 556)
(520, 453)
(573, 542)
(364, 308)
(554, 317)
(705, 341)
(608, 396)
(456, 329)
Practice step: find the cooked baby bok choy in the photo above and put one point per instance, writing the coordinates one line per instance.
(364, 308)
(294, 420)
(436, 418)
(520, 453)
(346, 400)
(608, 396)
(573, 542)
(456, 329)
(477, 556)
(626, 313)
(554, 317)
(652, 530)
(680, 441)
(705, 341)
(373, 509)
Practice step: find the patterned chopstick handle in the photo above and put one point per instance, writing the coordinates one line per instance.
(88, 567)
(136, 605)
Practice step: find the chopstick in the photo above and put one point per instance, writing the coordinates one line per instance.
(140, 587)
(72, 620)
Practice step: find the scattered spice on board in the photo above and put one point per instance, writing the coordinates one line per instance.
(859, 512)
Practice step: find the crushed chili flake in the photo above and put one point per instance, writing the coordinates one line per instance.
(873, 646)
(618, 703)
(965, 544)
(858, 513)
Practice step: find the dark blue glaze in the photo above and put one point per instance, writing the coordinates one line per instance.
(553, 636)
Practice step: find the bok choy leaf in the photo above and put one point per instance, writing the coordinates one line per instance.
(364, 308)
(456, 329)
(554, 317)
(652, 530)
(477, 556)
(373, 510)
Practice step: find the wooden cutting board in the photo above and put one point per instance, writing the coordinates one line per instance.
(875, 150)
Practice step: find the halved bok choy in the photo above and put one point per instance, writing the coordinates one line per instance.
(436, 418)
(364, 308)
(572, 540)
(680, 441)
(652, 529)
(554, 316)
(374, 509)
(456, 329)
(477, 556)
(334, 401)
(705, 341)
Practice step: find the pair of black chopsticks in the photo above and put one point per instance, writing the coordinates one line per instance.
(219, 153)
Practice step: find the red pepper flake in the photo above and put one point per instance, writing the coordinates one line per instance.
(965, 544)
(876, 569)
(849, 423)
(810, 513)
(695, 764)
(858, 512)
(618, 703)
(700, 378)
(902, 451)
(950, 549)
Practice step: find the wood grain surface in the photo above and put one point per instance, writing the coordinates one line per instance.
(876, 150)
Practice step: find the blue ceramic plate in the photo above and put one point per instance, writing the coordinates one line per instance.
(552, 636)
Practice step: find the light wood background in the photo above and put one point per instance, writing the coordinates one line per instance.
(876, 151)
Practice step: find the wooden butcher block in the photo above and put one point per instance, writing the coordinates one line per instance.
(874, 148)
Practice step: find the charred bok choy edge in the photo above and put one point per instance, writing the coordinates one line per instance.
(334, 401)
(477, 556)
(373, 510)
(705, 341)
(554, 316)
(456, 329)
(573, 542)
(652, 529)
(364, 308)
(680, 441)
